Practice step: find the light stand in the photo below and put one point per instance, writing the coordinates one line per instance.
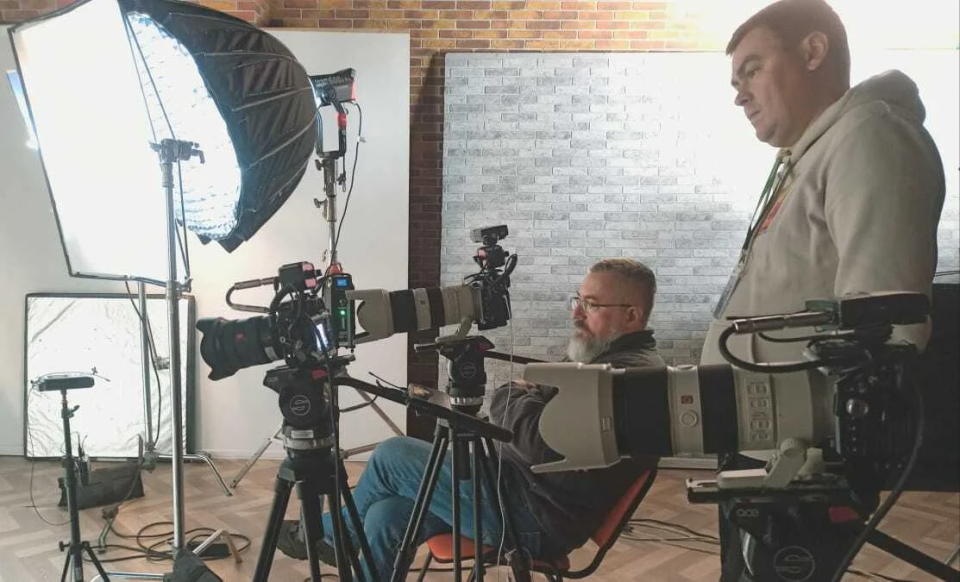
(150, 455)
(326, 163)
(172, 151)
(75, 548)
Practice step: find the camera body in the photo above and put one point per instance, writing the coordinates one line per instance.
(491, 286)
(298, 327)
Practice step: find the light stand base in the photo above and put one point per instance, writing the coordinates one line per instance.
(204, 458)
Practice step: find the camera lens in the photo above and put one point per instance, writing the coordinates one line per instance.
(229, 345)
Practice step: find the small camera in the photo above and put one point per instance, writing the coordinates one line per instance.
(489, 235)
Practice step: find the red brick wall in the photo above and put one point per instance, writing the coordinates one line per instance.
(439, 26)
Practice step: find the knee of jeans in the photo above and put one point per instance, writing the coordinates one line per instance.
(403, 449)
(391, 448)
(386, 521)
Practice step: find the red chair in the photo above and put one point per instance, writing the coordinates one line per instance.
(441, 546)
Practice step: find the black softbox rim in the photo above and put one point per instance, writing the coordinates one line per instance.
(263, 94)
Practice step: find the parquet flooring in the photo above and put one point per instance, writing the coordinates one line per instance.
(28, 546)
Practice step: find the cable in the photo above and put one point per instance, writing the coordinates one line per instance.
(894, 493)
(500, 502)
(33, 503)
(353, 172)
(768, 368)
(33, 464)
(150, 553)
(357, 407)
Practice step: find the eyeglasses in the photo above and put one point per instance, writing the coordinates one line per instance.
(589, 306)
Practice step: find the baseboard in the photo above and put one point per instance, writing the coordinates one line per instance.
(11, 450)
(274, 453)
(707, 462)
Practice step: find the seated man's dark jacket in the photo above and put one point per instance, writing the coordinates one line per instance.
(568, 505)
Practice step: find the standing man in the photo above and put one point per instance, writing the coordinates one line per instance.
(552, 513)
(853, 201)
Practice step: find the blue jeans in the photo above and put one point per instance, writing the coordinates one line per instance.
(386, 493)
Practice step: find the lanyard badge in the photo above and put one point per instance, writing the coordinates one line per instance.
(771, 198)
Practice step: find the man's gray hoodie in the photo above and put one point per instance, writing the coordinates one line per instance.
(859, 213)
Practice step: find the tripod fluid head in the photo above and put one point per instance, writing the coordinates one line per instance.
(305, 401)
(467, 381)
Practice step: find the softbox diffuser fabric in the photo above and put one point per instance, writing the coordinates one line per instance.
(263, 94)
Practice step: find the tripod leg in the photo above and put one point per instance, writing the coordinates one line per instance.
(96, 562)
(455, 500)
(478, 557)
(912, 556)
(309, 495)
(66, 566)
(430, 474)
(357, 523)
(281, 497)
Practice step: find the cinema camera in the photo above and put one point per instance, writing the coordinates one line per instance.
(835, 428)
(303, 329)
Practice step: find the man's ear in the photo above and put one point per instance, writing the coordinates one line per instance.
(813, 50)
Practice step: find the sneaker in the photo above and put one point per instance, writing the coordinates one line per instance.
(292, 543)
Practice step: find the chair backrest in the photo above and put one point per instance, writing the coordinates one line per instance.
(608, 532)
(610, 529)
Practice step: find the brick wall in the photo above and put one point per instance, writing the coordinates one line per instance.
(641, 155)
(586, 156)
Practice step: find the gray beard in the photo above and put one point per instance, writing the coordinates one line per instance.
(587, 349)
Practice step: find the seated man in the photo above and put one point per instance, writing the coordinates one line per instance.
(552, 513)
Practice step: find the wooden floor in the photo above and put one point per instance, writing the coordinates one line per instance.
(29, 552)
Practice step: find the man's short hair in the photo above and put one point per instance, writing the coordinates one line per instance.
(793, 20)
(634, 273)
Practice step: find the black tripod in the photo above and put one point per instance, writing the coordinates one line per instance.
(76, 547)
(315, 469)
(801, 533)
(466, 389)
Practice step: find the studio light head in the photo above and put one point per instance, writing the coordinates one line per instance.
(142, 71)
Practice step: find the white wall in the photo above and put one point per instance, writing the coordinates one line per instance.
(236, 414)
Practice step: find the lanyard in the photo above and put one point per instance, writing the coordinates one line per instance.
(768, 196)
